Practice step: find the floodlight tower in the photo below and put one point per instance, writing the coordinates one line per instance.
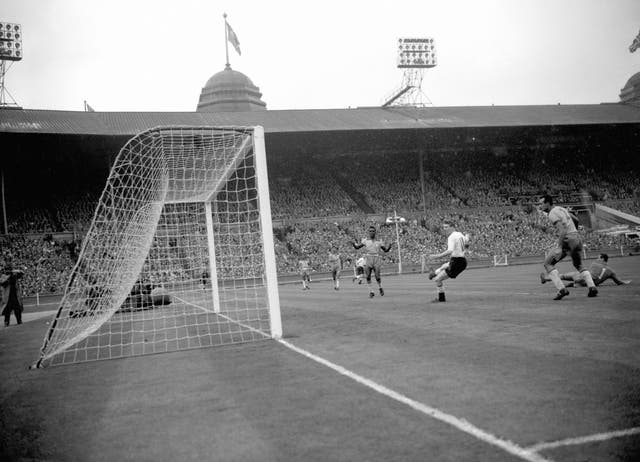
(414, 56)
(10, 50)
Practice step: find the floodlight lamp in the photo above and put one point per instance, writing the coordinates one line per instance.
(10, 42)
(416, 53)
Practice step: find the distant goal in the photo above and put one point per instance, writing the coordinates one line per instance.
(501, 260)
(179, 253)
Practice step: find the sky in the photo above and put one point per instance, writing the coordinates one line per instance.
(156, 55)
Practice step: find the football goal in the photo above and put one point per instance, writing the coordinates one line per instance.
(501, 260)
(179, 254)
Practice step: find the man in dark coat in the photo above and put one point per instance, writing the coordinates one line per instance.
(10, 297)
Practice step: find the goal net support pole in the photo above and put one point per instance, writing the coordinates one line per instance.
(273, 298)
(212, 258)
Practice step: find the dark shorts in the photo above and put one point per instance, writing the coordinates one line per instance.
(360, 270)
(456, 266)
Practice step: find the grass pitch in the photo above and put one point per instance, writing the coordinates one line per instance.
(560, 379)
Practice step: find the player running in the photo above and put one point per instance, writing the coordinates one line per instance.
(457, 243)
(600, 272)
(335, 264)
(305, 272)
(358, 270)
(373, 259)
(569, 242)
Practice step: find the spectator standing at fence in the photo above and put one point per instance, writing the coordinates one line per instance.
(569, 243)
(204, 278)
(11, 298)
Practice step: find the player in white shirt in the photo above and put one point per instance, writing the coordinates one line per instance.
(373, 259)
(457, 243)
(569, 243)
(358, 270)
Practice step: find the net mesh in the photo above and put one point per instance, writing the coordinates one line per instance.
(174, 258)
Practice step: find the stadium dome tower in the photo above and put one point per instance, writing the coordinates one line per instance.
(230, 91)
(630, 93)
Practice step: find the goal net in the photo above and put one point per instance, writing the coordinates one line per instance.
(179, 254)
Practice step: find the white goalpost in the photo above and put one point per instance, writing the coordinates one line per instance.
(179, 254)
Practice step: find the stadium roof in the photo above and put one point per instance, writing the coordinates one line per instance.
(30, 121)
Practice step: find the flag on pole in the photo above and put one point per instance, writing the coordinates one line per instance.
(233, 38)
(636, 43)
(88, 108)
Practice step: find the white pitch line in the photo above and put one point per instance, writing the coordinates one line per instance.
(461, 424)
(194, 305)
(585, 439)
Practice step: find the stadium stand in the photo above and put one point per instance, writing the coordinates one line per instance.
(331, 195)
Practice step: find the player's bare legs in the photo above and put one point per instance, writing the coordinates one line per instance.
(376, 273)
(554, 275)
(441, 275)
(376, 270)
(585, 274)
(434, 272)
(367, 275)
(571, 278)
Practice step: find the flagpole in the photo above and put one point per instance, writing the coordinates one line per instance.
(226, 39)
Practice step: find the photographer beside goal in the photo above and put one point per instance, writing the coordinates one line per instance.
(457, 243)
(10, 293)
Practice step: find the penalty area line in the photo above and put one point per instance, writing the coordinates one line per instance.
(585, 439)
(527, 454)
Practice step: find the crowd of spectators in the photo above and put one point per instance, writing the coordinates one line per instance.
(387, 181)
(46, 263)
(305, 189)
